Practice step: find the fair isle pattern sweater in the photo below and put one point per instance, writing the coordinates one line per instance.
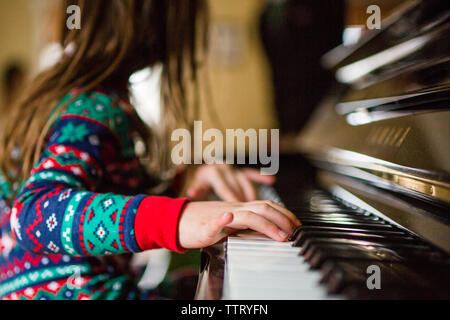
(68, 231)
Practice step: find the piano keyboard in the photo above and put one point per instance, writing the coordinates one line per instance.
(329, 255)
(259, 268)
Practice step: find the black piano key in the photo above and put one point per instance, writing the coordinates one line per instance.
(390, 293)
(341, 219)
(341, 275)
(347, 224)
(390, 231)
(329, 209)
(310, 243)
(330, 213)
(324, 202)
(295, 234)
(304, 235)
(338, 220)
(322, 253)
(325, 216)
(324, 209)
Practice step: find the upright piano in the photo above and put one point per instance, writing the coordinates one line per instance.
(370, 182)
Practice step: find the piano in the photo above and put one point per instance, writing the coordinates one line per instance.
(370, 181)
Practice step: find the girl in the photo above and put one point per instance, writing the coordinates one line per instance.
(77, 190)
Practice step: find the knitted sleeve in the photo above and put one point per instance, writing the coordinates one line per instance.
(58, 209)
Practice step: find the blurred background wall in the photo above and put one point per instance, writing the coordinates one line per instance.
(240, 79)
(16, 35)
(240, 87)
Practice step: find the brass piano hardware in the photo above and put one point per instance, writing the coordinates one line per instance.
(403, 137)
(417, 141)
(404, 177)
(397, 134)
(389, 208)
(383, 133)
(441, 192)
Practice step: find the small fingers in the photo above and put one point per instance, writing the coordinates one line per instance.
(272, 214)
(215, 229)
(247, 187)
(221, 188)
(285, 211)
(251, 220)
(256, 176)
(230, 176)
(198, 190)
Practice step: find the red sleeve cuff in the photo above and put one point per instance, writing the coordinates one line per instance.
(156, 223)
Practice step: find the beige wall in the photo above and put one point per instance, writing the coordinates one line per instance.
(15, 34)
(242, 92)
(24, 24)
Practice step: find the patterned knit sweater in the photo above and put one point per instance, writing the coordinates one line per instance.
(75, 221)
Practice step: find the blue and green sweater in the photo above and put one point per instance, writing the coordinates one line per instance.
(70, 232)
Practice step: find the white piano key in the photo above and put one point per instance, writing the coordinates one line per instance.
(260, 268)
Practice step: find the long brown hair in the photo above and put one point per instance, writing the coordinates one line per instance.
(116, 38)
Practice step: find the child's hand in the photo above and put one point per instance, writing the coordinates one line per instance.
(228, 183)
(205, 223)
